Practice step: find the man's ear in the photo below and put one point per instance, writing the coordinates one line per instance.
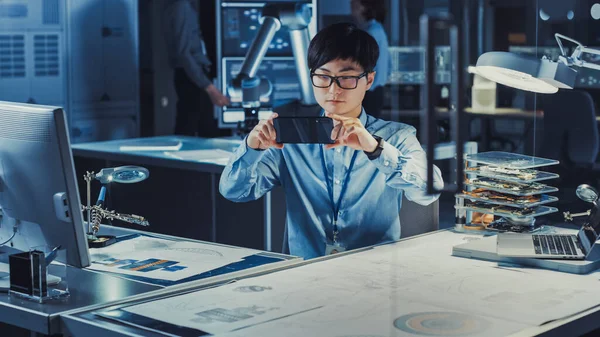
(370, 79)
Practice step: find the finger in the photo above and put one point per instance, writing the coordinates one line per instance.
(342, 134)
(273, 116)
(335, 144)
(272, 131)
(351, 122)
(266, 131)
(264, 141)
(336, 131)
(336, 117)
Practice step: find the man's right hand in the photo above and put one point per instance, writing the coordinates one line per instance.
(216, 96)
(263, 135)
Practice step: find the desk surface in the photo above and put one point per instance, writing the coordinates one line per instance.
(90, 289)
(110, 150)
(405, 288)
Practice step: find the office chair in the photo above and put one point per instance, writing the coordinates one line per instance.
(414, 219)
(571, 130)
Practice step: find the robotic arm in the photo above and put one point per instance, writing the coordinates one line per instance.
(294, 16)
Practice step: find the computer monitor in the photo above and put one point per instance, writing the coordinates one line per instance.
(408, 65)
(38, 188)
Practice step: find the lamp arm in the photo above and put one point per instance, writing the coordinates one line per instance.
(577, 61)
(558, 36)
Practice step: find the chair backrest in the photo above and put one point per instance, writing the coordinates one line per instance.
(417, 219)
(414, 219)
(570, 127)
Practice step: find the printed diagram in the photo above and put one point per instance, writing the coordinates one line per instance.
(142, 266)
(222, 315)
(441, 324)
(162, 259)
(197, 251)
(251, 289)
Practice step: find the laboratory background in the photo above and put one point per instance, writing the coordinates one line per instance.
(124, 128)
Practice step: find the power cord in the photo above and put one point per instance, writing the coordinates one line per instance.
(12, 237)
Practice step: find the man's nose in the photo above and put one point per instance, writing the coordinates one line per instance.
(334, 87)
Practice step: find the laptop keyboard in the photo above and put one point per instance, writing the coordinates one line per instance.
(555, 244)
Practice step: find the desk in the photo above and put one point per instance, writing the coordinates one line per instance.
(90, 289)
(374, 291)
(182, 197)
(250, 224)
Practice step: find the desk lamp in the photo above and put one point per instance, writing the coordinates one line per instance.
(589, 194)
(541, 76)
(95, 214)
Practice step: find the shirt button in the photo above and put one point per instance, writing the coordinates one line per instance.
(386, 163)
(337, 181)
(338, 150)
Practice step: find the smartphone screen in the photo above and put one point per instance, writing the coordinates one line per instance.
(303, 130)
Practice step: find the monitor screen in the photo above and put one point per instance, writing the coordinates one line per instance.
(408, 64)
(239, 27)
(38, 187)
(281, 71)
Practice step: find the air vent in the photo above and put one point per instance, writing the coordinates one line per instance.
(50, 12)
(12, 56)
(30, 127)
(13, 11)
(45, 53)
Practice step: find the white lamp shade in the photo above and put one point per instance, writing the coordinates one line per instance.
(540, 76)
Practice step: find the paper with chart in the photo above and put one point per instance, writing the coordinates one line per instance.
(214, 156)
(164, 259)
(390, 290)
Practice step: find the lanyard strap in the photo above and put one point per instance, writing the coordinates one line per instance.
(336, 206)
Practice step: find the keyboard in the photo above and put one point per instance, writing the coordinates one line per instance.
(555, 244)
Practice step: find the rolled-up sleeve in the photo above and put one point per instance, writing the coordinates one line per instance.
(404, 164)
(250, 173)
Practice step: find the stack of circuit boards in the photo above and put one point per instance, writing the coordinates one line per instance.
(507, 185)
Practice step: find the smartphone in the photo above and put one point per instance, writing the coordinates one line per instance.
(303, 130)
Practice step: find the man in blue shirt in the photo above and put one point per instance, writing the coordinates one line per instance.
(370, 15)
(344, 195)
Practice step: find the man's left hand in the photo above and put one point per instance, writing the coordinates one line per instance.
(349, 131)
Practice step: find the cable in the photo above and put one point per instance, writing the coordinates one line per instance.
(7, 241)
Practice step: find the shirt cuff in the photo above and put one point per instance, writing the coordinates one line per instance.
(390, 161)
(248, 155)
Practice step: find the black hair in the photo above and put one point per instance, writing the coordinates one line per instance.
(343, 41)
(373, 9)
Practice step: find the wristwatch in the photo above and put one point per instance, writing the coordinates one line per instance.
(377, 152)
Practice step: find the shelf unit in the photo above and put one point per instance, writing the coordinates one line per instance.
(505, 185)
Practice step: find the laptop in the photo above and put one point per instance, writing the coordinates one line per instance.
(548, 246)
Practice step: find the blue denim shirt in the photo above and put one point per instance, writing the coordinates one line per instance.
(384, 62)
(369, 209)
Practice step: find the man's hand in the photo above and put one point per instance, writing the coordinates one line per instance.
(350, 132)
(216, 96)
(263, 135)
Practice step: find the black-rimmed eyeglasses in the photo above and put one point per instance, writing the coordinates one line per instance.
(344, 82)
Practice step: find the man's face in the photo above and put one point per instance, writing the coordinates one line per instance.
(335, 99)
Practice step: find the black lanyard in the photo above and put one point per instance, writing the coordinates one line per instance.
(336, 207)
